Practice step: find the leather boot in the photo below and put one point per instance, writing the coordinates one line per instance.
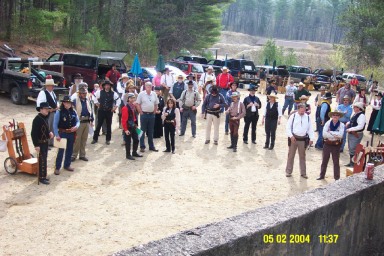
(350, 164)
(230, 147)
(234, 143)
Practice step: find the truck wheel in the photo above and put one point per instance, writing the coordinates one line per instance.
(16, 95)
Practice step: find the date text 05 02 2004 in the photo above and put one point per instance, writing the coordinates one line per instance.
(298, 238)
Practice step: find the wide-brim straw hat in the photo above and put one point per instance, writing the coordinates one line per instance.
(340, 114)
(273, 96)
(360, 105)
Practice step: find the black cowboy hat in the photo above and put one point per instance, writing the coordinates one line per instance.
(190, 82)
(252, 87)
(106, 82)
(78, 76)
(327, 96)
(191, 74)
(66, 99)
(43, 105)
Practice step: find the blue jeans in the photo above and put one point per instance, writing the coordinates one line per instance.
(68, 151)
(224, 93)
(288, 103)
(319, 142)
(191, 115)
(147, 125)
(344, 139)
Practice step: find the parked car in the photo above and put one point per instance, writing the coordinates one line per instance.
(279, 73)
(348, 77)
(188, 67)
(243, 71)
(299, 73)
(22, 80)
(197, 59)
(321, 80)
(91, 67)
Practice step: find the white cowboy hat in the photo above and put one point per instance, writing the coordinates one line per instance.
(360, 105)
(124, 75)
(49, 82)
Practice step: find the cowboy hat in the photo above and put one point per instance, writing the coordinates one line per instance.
(274, 96)
(82, 90)
(303, 97)
(83, 85)
(106, 82)
(49, 82)
(346, 97)
(209, 68)
(360, 105)
(327, 96)
(235, 94)
(124, 75)
(224, 68)
(43, 105)
(322, 88)
(252, 87)
(190, 75)
(77, 76)
(340, 114)
(66, 99)
(131, 95)
(301, 84)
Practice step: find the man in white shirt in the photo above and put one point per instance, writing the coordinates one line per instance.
(355, 129)
(121, 84)
(47, 95)
(289, 97)
(167, 81)
(300, 136)
(147, 103)
(207, 77)
(78, 79)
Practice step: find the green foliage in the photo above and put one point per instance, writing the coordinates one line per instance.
(364, 21)
(93, 41)
(41, 25)
(271, 52)
(290, 58)
(339, 58)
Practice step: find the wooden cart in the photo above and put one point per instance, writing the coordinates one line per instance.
(17, 144)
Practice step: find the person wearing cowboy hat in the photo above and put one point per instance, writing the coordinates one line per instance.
(107, 102)
(300, 136)
(40, 135)
(304, 99)
(113, 75)
(300, 92)
(252, 104)
(65, 125)
(120, 88)
(167, 80)
(228, 98)
(235, 111)
(129, 120)
(322, 117)
(204, 78)
(376, 105)
(346, 109)
(211, 107)
(263, 81)
(333, 134)
(77, 79)
(84, 110)
(191, 77)
(224, 80)
(177, 89)
(49, 96)
(158, 129)
(362, 97)
(289, 97)
(189, 101)
(345, 90)
(271, 118)
(355, 129)
(322, 90)
(271, 88)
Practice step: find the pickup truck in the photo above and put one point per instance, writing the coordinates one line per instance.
(299, 73)
(91, 67)
(243, 71)
(21, 79)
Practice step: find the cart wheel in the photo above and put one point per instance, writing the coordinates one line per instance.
(10, 165)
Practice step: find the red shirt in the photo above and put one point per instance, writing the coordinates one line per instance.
(113, 75)
(223, 80)
(125, 116)
(354, 82)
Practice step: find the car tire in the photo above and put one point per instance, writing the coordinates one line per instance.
(17, 95)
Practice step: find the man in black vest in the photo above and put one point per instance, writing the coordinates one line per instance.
(107, 102)
(355, 129)
(47, 95)
(252, 104)
(271, 117)
(40, 135)
(322, 117)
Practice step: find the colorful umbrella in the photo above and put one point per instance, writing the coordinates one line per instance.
(136, 68)
(266, 62)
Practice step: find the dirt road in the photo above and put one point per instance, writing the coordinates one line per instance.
(109, 203)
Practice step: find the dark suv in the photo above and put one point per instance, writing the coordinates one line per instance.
(243, 71)
(91, 67)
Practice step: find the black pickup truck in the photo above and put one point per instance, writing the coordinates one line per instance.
(20, 78)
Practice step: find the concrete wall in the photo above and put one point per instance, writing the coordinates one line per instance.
(352, 208)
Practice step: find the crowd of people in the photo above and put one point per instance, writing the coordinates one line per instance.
(163, 106)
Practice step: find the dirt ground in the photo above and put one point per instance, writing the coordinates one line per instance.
(109, 203)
